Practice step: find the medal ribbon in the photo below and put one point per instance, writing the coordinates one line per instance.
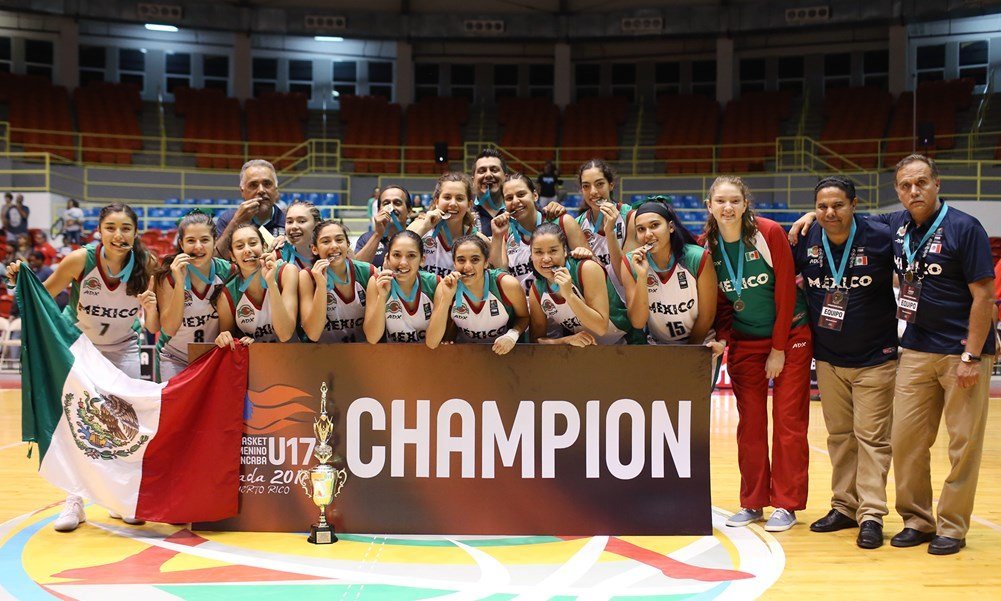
(255, 275)
(205, 279)
(911, 254)
(333, 278)
(126, 271)
(525, 234)
(487, 200)
(397, 291)
(291, 253)
(463, 292)
(670, 264)
(738, 279)
(839, 273)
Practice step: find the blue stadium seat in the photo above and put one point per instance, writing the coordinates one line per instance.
(172, 213)
(206, 201)
(172, 201)
(313, 197)
(189, 201)
(572, 201)
(690, 201)
(285, 197)
(331, 199)
(89, 224)
(638, 198)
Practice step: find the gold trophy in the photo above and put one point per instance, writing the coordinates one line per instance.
(326, 480)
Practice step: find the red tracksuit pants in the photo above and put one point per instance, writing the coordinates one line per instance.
(783, 482)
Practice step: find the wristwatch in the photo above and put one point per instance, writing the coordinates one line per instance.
(968, 357)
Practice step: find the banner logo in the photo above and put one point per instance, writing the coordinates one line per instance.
(103, 428)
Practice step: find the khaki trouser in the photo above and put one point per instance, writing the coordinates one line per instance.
(927, 389)
(858, 409)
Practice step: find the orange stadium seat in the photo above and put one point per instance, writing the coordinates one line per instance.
(687, 120)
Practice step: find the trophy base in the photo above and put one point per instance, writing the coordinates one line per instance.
(322, 535)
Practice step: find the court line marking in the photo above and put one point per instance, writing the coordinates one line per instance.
(11, 445)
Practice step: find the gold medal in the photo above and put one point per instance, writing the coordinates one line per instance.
(738, 305)
(909, 276)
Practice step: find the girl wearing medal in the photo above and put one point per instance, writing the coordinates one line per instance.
(394, 207)
(111, 279)
(296, 248)
(449, 220)
(185, 285)
(259, 302)
(474, 304)
(332, 294)
(762, 316)
(401, 296)
(573, 297)
(607, 225)
(510, 245)
(670, 281)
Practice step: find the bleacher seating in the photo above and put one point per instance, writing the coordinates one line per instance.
(35, 104)
(109, 109)
(750, 126)
(938, 102)
(433, 119)
(212, 128)
(855, 114)
(687, 120)
(276, 127)
(529, 132)
(590, 130)
(371, 121)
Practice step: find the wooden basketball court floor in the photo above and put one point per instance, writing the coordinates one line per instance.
(105, 559)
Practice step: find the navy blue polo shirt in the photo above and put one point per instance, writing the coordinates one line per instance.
(379, 252)
(275, 225)
(868, 334)
(959, 253)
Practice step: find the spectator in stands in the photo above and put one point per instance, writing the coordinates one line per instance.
(395, 204)
(72, 222)
(22, 247)
(15, 216)
(41, 244)
(549, 183)
(259, 189)
(36, 261)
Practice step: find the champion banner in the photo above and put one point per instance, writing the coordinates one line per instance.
(160, 452)
(546, 439)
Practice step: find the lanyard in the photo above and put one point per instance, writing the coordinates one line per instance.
(736, 279)
(911, 254)
(464, 292)
(839, 272)
(397, 291)
(333, 278)
(192, 269)
(670, 264)
(488, 201)
(442, 227)
(126, 271)
(290, 253)
(525, 234)
(255, 275)
(396, 221)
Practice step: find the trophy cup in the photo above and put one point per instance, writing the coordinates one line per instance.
(326, 480)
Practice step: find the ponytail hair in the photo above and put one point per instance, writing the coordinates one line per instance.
(681, 235)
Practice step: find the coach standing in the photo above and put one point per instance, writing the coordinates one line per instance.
(847, 266)
(943, 258)
(259, 189)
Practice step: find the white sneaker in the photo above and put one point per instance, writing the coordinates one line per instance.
(744, 517)
(129, 521)
(71, 516)
(781, 520)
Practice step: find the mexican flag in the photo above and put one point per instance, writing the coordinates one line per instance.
(160, 452)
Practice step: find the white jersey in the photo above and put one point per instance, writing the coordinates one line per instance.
(438, 253)
(519, 256)
(253, 320)
(674, 298)
(408, 322)
(200, 320)
(596, 239)
(102, 309)
(486, 320)
(346, 315)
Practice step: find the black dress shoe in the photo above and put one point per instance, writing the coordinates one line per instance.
(833, 521)
(944, 545)
(870, 535)
(909, 537)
